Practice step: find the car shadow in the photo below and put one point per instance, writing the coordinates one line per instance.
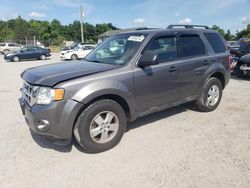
(146, 120)
(49, 144)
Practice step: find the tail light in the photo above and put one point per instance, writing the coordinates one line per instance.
(229, 61)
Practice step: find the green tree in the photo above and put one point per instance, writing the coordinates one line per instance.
(228, 36)
(218, 29)
(52, 32)
(243, 33)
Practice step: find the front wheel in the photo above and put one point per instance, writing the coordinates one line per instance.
(211, 95)
(100, 126)
(74, 57)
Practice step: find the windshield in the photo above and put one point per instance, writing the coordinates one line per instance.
(117, 49)
(77, 48)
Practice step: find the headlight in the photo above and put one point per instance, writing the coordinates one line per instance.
(46, 95)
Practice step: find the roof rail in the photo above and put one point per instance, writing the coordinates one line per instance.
(145, 28)
(141, 28)
(172, 26)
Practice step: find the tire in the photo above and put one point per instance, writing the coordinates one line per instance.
(95, 135)
(6, 51)
(211, 95)
(42, 57)
(74, 57)
(15, 58)
(238, 72)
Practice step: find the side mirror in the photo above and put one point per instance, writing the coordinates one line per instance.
(148, 59)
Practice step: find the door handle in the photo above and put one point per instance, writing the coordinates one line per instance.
(172, 69)
(205, 62)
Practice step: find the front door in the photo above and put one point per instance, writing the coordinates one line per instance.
(158, 84)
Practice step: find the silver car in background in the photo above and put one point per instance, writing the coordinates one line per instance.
(9, 47)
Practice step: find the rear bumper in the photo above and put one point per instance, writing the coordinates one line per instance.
(59, 118)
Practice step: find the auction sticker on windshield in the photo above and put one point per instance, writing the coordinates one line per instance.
(136, 38)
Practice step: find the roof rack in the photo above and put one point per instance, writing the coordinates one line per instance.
(141, 28)
(172, 26)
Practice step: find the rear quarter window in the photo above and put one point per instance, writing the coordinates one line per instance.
(216, 42)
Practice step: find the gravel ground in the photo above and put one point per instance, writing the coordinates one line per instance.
(178, 147)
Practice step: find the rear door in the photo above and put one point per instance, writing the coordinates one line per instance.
(158, 84)
(194, 62)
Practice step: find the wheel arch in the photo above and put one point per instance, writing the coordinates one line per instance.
(219, 76)
(120, 100)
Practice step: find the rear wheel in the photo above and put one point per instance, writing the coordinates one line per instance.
(42, 57)
(100, 126)
(211, 95)
(16, 58)
(74, 57)
(6, 51)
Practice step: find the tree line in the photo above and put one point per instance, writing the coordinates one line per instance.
(245, 33)
(54, 33)
(49, 33)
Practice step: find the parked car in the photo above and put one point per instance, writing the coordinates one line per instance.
(78, 52)
(242, 68)
(30, 52)
(9, 47)
(74, 45)
(240, 48)
(155, 70)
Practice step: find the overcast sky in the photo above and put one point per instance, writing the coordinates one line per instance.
(229, 14)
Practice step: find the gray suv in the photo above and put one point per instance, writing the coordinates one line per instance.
(129, 75)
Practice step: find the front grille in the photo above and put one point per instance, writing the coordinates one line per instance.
(29, 93)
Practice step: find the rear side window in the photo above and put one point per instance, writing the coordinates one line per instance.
(216, 42)
(11, 45)
(191, 45)
(2, 44)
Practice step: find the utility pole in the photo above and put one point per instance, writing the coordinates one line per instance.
(81, 20)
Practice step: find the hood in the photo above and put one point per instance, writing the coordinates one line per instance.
(245, 59)
(50, 75)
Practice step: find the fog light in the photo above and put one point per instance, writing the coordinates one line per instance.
(42, 125)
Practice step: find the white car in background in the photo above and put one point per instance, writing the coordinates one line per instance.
(9, 47)
(78, 52)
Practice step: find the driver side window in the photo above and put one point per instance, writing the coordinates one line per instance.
(164, 47)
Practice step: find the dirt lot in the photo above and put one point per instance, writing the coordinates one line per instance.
(179, 147)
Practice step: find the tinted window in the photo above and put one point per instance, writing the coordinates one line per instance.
(216, 42)
(2, 44)
(88, 48)
(11, 45)
(191, 46)
(244, 46)
(164, 47)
